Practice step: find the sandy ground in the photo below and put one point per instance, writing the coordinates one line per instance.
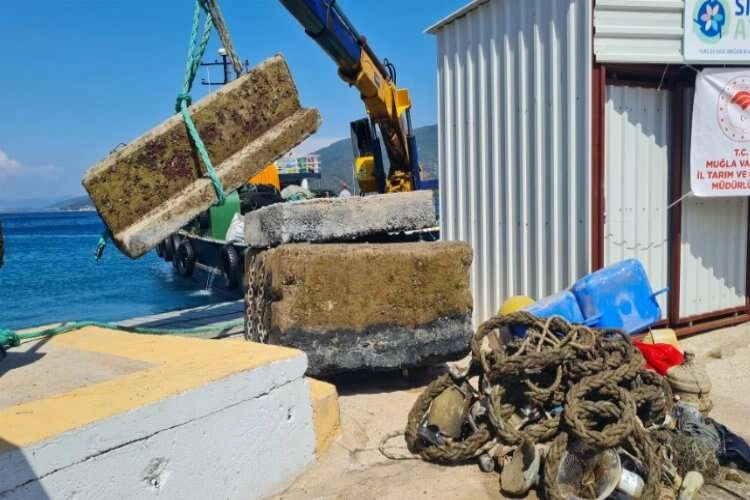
(374, 405)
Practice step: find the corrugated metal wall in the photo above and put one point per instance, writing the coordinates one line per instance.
(636, 172)
(714, 245)
(514, 106)
(638, 31)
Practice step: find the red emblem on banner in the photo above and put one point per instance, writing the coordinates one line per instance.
(734, 101)
(742, 99)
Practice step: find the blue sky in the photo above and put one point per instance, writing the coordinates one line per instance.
(78, 77)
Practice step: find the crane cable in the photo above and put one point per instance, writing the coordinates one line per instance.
(212, 7)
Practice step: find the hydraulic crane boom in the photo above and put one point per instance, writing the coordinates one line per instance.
(387, 105)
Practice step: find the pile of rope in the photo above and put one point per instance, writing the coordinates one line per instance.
(561, 386)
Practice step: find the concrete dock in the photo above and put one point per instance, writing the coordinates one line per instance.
(99, 413)
(80, 405)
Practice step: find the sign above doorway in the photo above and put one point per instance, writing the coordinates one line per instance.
(717, 31)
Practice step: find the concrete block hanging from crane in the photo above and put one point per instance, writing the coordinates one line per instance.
(156, 184)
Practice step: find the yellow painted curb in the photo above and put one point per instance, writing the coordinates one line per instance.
(177, 364)
(326, 418)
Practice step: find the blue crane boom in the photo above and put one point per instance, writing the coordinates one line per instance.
(388, 107)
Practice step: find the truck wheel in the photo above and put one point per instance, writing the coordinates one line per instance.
(185, 259)
(231, 266)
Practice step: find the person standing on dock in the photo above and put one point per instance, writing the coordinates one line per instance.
(344, 193)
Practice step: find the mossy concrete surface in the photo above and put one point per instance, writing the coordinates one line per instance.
(373, 306)
(156, 184)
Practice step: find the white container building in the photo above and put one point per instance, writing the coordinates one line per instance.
(564, 136)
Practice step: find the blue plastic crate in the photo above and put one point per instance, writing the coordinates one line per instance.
(560, 304)
(618, 296)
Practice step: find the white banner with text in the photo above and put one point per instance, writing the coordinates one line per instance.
(720, 141)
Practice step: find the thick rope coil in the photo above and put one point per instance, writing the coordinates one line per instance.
(456, 451)
(560, 384)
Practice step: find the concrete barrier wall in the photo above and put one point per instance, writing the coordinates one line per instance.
(244, 435)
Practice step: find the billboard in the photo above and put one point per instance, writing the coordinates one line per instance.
(306, 165)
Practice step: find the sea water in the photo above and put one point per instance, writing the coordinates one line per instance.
(50, 275)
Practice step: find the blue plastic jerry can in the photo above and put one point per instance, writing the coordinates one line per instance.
(560, 304)
(618, 296)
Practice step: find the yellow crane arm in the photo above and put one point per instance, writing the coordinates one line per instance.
(388, 107)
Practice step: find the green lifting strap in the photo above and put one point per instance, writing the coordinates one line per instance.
(196, 49)
(9, 338)
(195, 54)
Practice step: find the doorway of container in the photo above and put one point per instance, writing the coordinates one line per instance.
(712, 252)
(638, 146)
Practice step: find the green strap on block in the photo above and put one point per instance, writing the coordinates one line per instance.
(9, 338)
(196, 50)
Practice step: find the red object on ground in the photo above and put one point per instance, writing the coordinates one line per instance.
(660, 357)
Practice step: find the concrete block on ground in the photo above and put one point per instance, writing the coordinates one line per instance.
(362, 306)
(104, 414)
(339, 219)
(156, 184)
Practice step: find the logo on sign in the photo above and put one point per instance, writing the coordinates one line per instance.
(742, 99)
(734, 109)
(711, 20)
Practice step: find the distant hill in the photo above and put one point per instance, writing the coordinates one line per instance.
(337, 159)
(25, 204)
(73, 204)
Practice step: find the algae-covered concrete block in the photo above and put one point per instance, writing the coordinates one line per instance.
(355, 306)
(337, 219)
(156, 184)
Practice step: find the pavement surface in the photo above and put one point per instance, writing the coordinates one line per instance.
(22, 379)
(375, 405)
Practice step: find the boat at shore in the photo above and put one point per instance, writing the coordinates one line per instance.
(211, 248)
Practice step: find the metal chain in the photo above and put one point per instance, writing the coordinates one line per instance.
(257, 300)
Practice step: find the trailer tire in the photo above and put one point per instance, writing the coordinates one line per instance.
(185, 259)
(169, 249)
(231, 265)
(175, 241)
